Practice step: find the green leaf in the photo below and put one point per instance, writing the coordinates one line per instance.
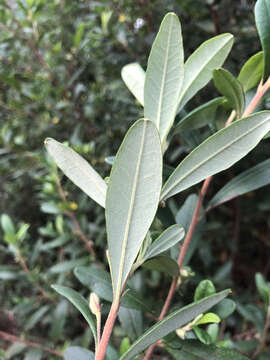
(252, 71)
(231, 88)
(131, 321)
(163, 264)
(133, 76)
(78, 353)
(164, 75)
(217, 153)
(80, 303)
(68, 265)
(194, 350)
(125, 344)
(208, 318)
(262, 19)
(7, 224)
(263, 288)
(132, 198)
(99, 282)
(165, 241)
(172, 322)
(204, 289)
(200, 65)
(225, 308)
(22, 231)
(249, 180)
(202, 335)
(78, 170)
(200, 116)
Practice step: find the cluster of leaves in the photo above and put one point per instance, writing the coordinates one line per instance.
(61, 64)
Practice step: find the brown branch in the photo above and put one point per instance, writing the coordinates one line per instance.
(13, 338)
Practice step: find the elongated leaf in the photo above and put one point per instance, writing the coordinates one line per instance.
(78, 170)
(99, 282)
(80, 303)
(172, 322)
(164, 75)
(132, 197)
(231, 88)
(78, 353)
(252, 71)
(165, 241)
(163, 264)
(201, 64)
(249, 180)
(131, 321)
(68, 265)
(133, 76)
(195, 350)
(199, 117)
(262, 18)
(218, 152)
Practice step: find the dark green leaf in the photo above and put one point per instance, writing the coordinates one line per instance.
(252, 72)
(162, 264)
(204, 289)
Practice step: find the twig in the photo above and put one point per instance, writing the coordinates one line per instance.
(13, 338)
(264, 335)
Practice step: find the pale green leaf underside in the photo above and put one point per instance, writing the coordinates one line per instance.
(218, 152)
(249, 180)
(133, 76)
(164, 75)
(200, 65)
(78, 170)
(132, 197)
(252, 71)
(80, 303)
(172, 322)
(231, 88)
(78, 353)
(262, 18)
(165, 241)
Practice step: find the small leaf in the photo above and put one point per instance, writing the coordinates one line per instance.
(199, 117)
(225, 308)
(202, 335)
(208, 318)
(263, 288)
(132, 198)
(78, 170)
(68, 265)
(78, 353)
(163, 264)
(231, 88)
(22, 231)
(131, 321)
(165, 241)
(252, 72)
(80, 303)
(204, 289)
(7, 224)
(217, 153)
(172, 322)
(200, 65)
(164, 75)
(249, 180)
(262, 19)
(133, 76)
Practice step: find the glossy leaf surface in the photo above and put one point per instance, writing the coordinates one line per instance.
(132, 197)
(164, 75)
(231, 88)
(80, 303)
(78, 170)
(200, 65)
(249, 180)
(218, 152)
(133, 76)
(252, 71)
(172, 322)
(262, 19)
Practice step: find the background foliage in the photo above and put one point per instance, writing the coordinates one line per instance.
(60, 76)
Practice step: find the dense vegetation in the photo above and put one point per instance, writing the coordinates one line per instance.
(60, 77)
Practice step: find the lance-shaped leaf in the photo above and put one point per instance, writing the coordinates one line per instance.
(164, 75)
(218, 152)
(165, 241)
(200, 65)
(231, 88)
(80, 303)
(252, 71)
(132, 198)
(78, 170)
(133, 76)
(199, 117)
(262, 19)
(172, 322)
(249, 180)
